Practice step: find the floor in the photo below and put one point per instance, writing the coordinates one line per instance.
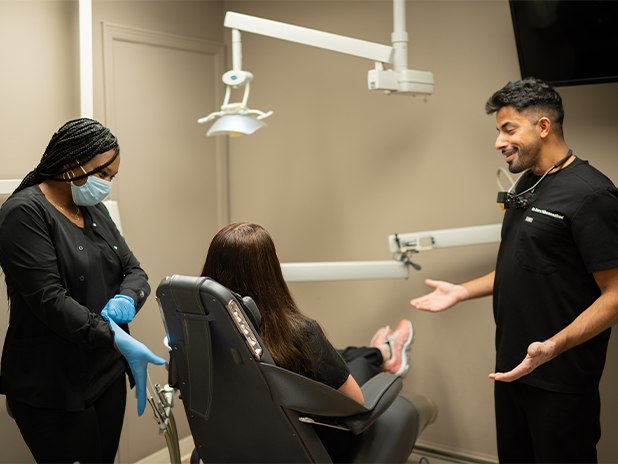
(413, 459)
(420, 459)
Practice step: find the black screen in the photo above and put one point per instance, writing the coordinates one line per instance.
(567, 42)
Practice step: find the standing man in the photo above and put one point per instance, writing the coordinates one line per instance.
(555, 286)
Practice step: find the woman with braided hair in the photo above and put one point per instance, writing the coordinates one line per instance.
(73, 286)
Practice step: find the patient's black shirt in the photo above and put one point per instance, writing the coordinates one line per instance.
(331, 368)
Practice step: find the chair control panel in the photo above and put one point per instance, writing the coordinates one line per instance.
(245, 330)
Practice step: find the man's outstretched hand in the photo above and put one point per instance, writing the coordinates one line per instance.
(538, 353)
(444, 296)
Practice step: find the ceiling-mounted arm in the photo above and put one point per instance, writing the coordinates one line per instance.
(400, 79)
(313, 38)
(236, 50)
(399, 37)
(237, 119)
(408, 80)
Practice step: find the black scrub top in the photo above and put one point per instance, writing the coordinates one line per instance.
(544, 273)
(58, 352)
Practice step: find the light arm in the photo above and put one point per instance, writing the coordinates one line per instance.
(343, 270)
(428, 240)
(237, 119)
(310, 37)
(400, 79)
(402, 246)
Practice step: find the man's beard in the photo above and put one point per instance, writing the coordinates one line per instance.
(526, 158)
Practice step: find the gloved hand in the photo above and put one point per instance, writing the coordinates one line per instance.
(120, 309)
(138, 356)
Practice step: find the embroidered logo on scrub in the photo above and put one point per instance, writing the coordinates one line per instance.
(546, 213)
(529, 219)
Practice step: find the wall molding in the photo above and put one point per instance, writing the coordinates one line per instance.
(162, 456)
(447, 453)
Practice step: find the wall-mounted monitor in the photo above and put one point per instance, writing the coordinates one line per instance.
(567, 42)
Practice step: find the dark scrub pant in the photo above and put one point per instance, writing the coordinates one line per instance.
(89, 436)
(363, 362)
(537, 425)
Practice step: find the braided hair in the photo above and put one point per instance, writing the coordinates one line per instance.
(75, 143)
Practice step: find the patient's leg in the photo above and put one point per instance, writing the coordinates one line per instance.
(363, 362)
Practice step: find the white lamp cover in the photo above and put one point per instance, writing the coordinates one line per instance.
(235, 125)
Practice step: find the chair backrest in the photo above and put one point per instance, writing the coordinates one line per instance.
(217, 361)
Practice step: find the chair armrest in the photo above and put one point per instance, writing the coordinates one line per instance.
(301, 394)
(384, 386)
(379, 392)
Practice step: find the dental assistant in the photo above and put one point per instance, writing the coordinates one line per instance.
(73, 286)
(555, 285)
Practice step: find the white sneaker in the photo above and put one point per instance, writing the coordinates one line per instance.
(400, 340)
(380, 337)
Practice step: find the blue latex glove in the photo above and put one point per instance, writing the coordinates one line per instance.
(138, 356)
(120, 309)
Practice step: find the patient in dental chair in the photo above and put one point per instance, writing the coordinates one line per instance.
(242, 257)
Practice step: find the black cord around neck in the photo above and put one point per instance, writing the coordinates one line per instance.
(557, 165)
(523, 199)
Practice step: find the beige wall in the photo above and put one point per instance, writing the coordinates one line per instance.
(31, 67)
(165, 153)
(338, 169)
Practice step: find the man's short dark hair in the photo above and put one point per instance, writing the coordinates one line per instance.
(526, 94)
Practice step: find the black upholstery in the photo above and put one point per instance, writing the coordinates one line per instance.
(241, 407)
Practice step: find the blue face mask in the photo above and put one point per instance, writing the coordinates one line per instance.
(92, 192)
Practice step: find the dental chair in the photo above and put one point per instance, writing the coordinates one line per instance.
(242, 407)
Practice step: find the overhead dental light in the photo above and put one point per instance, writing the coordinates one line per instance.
(237, 119)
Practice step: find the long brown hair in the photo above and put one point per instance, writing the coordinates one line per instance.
(242, 257)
